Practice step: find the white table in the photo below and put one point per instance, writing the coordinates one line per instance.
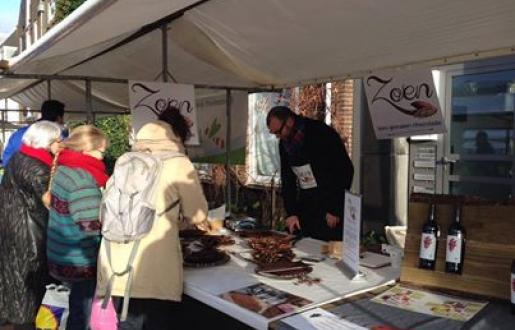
(207, 284)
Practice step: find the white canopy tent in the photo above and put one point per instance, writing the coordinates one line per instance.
(251, 44)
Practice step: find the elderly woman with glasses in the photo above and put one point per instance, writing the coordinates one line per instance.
(23, 224)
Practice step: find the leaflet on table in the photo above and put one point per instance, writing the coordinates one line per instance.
(320, 319)
(265, 300)
(430, 303)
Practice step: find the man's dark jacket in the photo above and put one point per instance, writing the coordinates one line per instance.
(324, 150)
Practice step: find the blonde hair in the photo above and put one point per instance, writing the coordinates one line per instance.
(85, 138)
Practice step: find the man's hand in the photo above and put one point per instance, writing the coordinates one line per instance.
(292, 222)
(332, 221)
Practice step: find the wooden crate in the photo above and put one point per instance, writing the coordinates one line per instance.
(489, 249)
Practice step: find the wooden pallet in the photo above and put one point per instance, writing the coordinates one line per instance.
(489, 250)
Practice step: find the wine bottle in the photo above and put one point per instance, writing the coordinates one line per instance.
(512, 287)
(429, 240)
(455, 250)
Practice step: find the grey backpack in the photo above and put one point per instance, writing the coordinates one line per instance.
(128, 209)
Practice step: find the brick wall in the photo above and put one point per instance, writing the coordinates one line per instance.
(342, 99)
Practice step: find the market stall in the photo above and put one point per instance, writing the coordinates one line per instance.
(206, 43)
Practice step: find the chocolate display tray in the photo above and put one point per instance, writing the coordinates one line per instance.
(260, 233)
(224, 258)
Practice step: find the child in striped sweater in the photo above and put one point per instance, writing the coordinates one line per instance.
(73, 236)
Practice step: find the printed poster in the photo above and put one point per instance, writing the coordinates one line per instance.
(430, 303)
(148, 99)
(265, 300)
(403, 103)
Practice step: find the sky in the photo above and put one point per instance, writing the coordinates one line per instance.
(9, 10)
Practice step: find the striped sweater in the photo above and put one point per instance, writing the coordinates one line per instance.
(73, 228)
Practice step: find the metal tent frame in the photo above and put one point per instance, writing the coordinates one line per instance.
(165, 75)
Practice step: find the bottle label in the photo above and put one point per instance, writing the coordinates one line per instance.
(453, 253)
(513, 288)
(428, 246)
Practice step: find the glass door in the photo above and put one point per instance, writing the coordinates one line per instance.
(478, 150)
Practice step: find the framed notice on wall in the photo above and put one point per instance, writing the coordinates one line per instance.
(148, 99)
(403, 103)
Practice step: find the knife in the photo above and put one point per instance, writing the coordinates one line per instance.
(238, 255)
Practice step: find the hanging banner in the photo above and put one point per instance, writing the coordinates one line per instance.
(403, 103)
(212, 113)
(148, 99)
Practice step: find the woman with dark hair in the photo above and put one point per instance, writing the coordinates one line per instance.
(179, 123)
(157, 285)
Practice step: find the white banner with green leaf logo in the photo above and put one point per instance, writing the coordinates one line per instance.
(212, 125)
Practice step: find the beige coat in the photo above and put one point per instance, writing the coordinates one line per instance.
(158, 270)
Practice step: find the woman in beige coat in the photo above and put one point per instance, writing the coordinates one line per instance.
(157, 284)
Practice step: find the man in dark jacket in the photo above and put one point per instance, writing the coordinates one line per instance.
(51, 110)
(315, 172)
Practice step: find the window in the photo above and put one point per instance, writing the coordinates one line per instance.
(51, 11)
(263, 150)
(482, 133)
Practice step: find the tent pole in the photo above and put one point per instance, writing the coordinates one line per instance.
(164, 51)
(89, 103)
(3, 120)
(49, 89)
(228, 150)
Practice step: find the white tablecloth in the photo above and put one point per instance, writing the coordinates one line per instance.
(207, 284)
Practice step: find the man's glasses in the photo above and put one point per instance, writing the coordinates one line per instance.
(280, 130)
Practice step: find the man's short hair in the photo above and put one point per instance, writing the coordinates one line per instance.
(280, 112)
(51, 110)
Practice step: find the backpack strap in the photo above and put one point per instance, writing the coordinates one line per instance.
(170, 207)
(129, 269)
(168, 155)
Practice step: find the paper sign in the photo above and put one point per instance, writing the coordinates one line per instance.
(148, 99)
(305, 176)
(351, 232)
(430, 303)
(403, 103)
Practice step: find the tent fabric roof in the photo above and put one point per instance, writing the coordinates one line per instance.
(247, 43)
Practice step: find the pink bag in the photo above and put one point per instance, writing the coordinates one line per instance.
(103, 318)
